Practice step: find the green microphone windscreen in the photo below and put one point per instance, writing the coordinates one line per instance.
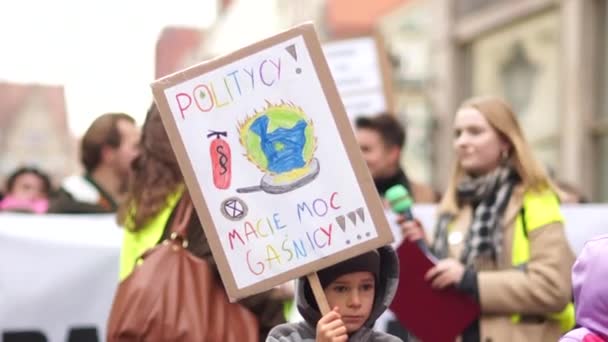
(399, 198)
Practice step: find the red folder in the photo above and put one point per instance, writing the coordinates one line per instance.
(430, 315)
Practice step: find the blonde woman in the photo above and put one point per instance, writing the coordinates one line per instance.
(500, 233)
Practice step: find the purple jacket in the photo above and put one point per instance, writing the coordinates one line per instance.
(590, 283)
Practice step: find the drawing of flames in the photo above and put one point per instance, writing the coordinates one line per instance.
(279, 140)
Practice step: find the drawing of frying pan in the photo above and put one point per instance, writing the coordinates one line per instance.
(276, 184)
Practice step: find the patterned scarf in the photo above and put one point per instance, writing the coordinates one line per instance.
(489, 196)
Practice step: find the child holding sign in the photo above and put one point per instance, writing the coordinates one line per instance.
(358, 289)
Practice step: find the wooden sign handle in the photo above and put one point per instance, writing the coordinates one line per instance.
(317, 290)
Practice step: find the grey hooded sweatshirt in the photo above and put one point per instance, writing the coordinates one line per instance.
(306, 331)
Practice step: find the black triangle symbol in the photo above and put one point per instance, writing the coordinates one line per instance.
(361, 214)
(341, 222)
(352, 217)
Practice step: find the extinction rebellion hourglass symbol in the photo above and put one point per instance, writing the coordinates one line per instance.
(234, 208)
(220, 160)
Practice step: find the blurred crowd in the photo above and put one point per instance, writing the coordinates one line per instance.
(107, 150)
(111, 143)
(497, 189)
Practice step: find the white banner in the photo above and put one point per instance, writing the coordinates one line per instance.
(582, 222)
(57, 276)
(58, 273)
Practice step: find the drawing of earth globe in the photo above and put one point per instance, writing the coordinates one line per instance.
(280, 141)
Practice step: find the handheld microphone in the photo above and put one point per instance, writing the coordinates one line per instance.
(401, 203)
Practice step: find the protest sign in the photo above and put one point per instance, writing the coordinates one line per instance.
(361, 70)
(271, 162)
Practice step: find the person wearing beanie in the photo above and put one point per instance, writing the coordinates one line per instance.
(590, 283)
(358, 289)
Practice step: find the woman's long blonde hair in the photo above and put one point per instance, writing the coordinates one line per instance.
(503, 120)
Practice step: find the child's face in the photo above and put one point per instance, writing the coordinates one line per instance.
(28, 186)
(353, 293)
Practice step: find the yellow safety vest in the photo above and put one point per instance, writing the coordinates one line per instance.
(538, 210)
(136, 242)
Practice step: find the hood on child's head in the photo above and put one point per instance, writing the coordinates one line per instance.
(366, 262)
(590, 283)
(383, 263)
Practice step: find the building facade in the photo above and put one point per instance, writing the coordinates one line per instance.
(406, 32)
(548, 58)
(34, 130)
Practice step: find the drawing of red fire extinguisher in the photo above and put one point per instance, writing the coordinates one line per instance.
(220, 160)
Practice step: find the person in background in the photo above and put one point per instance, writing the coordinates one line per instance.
(27, 190)
(589, 280)
(500, 232)
(382, 139)
(147, 214)
(568, 193)
(358, 289)
(107, 149)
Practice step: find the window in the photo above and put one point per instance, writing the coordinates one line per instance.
(466, 7)
(521, 64)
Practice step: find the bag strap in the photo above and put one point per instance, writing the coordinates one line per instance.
(524, 224)
(522, 213)
(179, 226)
